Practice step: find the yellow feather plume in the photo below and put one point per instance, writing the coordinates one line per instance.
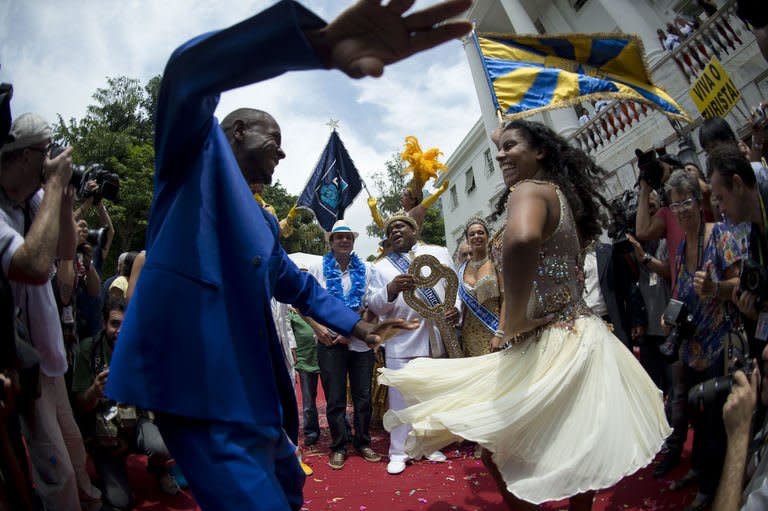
(423, 165)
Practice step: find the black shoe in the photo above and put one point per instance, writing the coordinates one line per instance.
(310, 440)
(700, 502)
(665, 466)
(688, 479)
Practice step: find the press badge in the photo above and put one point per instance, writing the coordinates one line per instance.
(761, 331)
(653, 279)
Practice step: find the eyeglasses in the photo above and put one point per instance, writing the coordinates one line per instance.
(682, 205)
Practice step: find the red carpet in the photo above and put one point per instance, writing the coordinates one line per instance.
(460, 484)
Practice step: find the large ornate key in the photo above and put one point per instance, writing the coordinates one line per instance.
(435, 312)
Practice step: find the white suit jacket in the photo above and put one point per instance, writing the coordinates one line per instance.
(409, 343)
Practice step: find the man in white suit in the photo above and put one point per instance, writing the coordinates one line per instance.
(388, 282)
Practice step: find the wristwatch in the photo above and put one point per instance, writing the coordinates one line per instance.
(646, 259)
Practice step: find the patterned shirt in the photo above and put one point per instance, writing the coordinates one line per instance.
(714, 318)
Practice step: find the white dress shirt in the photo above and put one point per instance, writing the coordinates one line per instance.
(408, 343)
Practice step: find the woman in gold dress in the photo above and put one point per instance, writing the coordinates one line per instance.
(480, 293)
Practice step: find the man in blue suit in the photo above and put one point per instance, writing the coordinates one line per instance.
(198, 344)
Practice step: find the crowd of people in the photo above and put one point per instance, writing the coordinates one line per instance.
(52, 269)
(190, 360)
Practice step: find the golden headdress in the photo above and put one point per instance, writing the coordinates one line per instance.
(423, 165)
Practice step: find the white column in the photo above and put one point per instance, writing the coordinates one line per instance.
(518, 16)
(487, 108)
(553, 18)
(637, 18)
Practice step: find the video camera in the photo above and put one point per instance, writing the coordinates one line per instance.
(108, 182)
(677, 315)
(650, 167)
(623, 209)
(708, 392)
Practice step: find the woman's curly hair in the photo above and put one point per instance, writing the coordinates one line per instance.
(574, 171)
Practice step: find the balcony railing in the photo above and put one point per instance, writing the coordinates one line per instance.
(717, 36)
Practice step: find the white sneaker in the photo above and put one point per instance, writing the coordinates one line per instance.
(395, 467)
(437, 456)
(168, 484)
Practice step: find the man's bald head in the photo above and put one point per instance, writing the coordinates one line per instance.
(245, 115)
(255, 138)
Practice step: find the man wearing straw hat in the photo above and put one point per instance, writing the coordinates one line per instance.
(346, 277)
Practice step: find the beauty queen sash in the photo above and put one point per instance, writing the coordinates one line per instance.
(486, 317)
(402, 263)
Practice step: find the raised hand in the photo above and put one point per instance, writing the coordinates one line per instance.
(703, 283)
(368, 36)
(375, 335)
(59, 168)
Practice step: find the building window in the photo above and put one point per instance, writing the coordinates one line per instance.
(469, 186)
(454, 198)
(488, 162)
(577, 4)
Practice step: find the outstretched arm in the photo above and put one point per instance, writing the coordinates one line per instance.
(427, 203)
(368, 36)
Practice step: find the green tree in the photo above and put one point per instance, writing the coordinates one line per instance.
(307, 236)
(117, 131)
(391, 182)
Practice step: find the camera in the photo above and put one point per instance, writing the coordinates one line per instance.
(754, 278)
(97, 237)
(650, 167)
(677, 315)
(623, 209)
(114, 419)
(708, 392)
(108, 182)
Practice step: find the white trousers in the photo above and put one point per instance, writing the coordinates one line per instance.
(399, 434)
(56, 449)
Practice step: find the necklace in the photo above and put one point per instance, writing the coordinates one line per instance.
(332, 273)
(475, 265)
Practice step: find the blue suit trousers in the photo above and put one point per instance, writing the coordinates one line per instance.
(235, 466)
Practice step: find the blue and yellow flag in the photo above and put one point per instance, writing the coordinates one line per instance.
(530, 74)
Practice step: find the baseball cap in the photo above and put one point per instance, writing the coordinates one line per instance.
(27, 130)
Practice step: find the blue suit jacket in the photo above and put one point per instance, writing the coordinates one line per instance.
(198, 339)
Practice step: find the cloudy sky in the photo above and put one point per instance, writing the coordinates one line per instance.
(57, 54)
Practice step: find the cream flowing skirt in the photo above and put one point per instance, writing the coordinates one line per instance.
(567, 412)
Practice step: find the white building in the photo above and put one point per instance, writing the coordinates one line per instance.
(612, 134)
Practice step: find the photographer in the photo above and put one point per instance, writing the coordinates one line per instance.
(738, 414)
(101, 243)
(715, 132)
(707, 267)
(653, 174)
(113, 431)
(88, 286)
(40, 227)
(742, 198)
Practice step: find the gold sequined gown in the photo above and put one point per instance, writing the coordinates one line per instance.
(567, 410)
(475, 337)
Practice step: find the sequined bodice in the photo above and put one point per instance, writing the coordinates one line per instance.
(485, 289)
(559, 280)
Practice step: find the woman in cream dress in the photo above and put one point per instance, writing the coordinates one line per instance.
(564, 408)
